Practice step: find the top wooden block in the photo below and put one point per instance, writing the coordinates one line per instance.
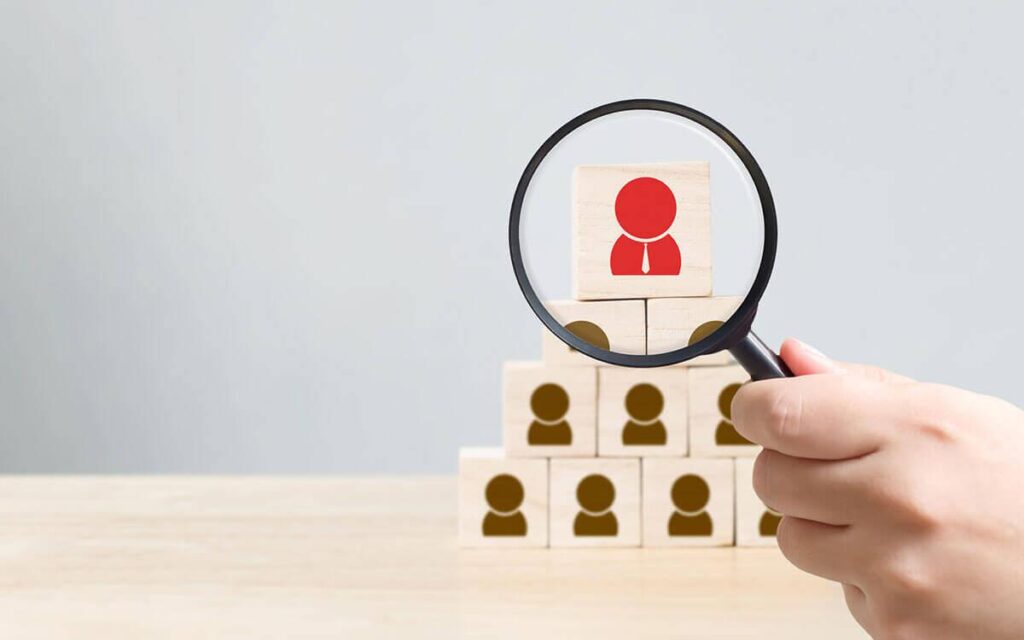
(642, 231)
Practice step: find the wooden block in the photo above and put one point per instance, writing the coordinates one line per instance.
(615, 325)
(641, 412)
(503, 502)
(549, 411)
(628, 218)
(673, 323)
(688, 502)
(755, 523)
(711, 430)
(595, 503)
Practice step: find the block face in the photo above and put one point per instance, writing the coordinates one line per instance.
(595, 503)
(642, 412)
(671, 323)
(642, 231)
(711, 430)
(756, 524)
(616, 325)
(549, 411)
(687, 502)
(503, 502)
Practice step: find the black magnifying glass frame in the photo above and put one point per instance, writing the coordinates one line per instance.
(734, 334)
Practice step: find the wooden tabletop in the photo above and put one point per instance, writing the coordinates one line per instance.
(259, 557)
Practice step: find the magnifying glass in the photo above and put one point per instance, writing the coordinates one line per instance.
(643, 234)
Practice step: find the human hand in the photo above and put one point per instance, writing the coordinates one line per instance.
(909, 494)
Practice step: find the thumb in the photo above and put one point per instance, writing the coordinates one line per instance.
(804, 360)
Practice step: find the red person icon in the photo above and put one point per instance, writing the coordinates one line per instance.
(645, 209)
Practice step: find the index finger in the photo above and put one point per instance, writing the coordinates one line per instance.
(821, 416)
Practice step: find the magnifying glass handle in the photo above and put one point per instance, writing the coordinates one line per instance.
(760, 362)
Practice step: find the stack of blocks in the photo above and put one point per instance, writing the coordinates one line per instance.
(603, 456)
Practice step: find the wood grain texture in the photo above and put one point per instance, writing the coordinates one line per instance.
(521, 380)
(614, 385)
(659, 476)
(595, 231)
(477, 467)
(622, 321)
(671, 322)
(566, 475)
(112, 558)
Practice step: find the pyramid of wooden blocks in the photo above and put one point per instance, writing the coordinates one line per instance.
(595, 455)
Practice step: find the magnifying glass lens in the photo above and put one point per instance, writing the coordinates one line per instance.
(640, 235)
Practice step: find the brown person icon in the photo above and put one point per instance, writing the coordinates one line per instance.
(504, 495)
(549, 403)
(769, 524)
(704, 331)
(690, 495)
(644, 404)
(595, 495)
(589, 332)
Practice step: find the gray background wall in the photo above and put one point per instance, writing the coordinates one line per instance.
(271, 237)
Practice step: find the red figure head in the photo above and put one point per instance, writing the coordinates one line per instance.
(645, 208)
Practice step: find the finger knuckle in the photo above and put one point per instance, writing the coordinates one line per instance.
(907, 579)
(784, 415)
(912, 500)
(937, 407)
(920, 507)
(939, 430)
